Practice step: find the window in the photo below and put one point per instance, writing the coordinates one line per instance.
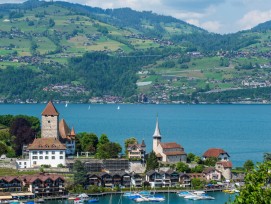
(61, 157)
(35, 152)
(49, 121)
(34, 162)
(47, 152)
(61, 152)
(34, 157)
(53, 157)
(20, 163)
(41, 157)
(53, 152)
(40, 152)
(46, 157)
(24, 163)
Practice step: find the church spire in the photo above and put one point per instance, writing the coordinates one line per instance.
(157, 133)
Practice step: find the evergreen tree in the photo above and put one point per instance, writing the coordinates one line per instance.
(80, 173)
(152, 162)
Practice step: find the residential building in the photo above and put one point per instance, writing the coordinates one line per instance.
(136, 151)
(67, 137)
(10, 184)
(136, 180)
(154, 178)
(225, 168)
(210, 173)
(170, 152)
(44, 184)
(218, 153)
(185, 180)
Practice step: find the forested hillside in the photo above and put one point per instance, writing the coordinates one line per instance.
(71, 52)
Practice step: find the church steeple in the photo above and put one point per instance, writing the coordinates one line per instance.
(156, 136)
(157, 133)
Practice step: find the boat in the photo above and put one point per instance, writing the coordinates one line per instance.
(66, 105)
(93, 200)
(78, 201)
(131, 195)
(118, 107)
(183, 193)
(156, 198)
(88, 107)
(141, 199)
(229, 191)
(198, 195)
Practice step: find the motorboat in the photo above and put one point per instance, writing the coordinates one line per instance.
(183, 193)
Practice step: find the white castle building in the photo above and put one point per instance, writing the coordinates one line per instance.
(57, 140)
(169, 152)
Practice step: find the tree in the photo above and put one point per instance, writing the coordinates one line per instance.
(128, 141)
(257, 186)
(23, 133)
(182, 167)
(152, 162)
(211, 161)
(267, 157)
(88, 142)
(80, 173)
(103, 139)
(249, 165)
(190, 157)
(196, 183)
(108, 150)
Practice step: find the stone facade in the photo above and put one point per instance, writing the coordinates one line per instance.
(49, 126)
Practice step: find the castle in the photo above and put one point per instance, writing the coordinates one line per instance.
(56, 142)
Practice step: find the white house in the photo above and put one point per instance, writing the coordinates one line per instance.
(218, 153)
(170, 152)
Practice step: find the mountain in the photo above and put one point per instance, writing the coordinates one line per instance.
(262, 27)
(59, 50)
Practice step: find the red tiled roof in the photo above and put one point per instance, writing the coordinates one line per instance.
(214, 152)
(208, 170)
(174, 153)
(225, 164)
(170, 145)
(50, 110)
(9, 178)
(65, 132)
(46, 144)
(41, 177)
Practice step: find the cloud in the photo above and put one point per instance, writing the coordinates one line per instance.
(253, 18)
(213, 26)
(191, 5)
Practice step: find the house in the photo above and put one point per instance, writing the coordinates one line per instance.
(94, 179)
(125, 179)
(210, 173)
(136, 180)
(185, 180)
(174, 177)
(57, 141)
(10, 184)
(167, 152)
(107, 180)
(218, 153)
(44, 184)
(154, 178)
(225, 168)
(136, 151)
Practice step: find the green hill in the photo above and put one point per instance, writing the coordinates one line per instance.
(43, 46)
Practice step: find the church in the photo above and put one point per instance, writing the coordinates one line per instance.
(56, 142)
(169, 152)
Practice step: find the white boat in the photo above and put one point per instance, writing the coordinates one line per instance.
(88, 107)
(198, 195)
(141, 199)
(118, 107)
(156, 199)
(66, 105)
(183, 193)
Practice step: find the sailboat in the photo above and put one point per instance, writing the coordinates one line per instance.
(66, 105)
(88, 107)
(118, 107)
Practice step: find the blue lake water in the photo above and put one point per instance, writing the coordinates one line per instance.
(220, 198)
(244, 131)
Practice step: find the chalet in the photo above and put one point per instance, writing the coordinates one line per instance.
(220, 154)
(136, 180)
(44, 184)
(154, 178)
(10, 184)
(185, 180)
(225, 168)
(107, 180)
(94, 179)
(136, 151)
(210, 173)
(167, 152)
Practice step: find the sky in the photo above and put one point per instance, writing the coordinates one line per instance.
(218, 16)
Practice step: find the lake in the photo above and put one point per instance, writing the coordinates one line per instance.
(244, 131)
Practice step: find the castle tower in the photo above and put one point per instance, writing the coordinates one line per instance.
(156, 136)
(49, 121)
